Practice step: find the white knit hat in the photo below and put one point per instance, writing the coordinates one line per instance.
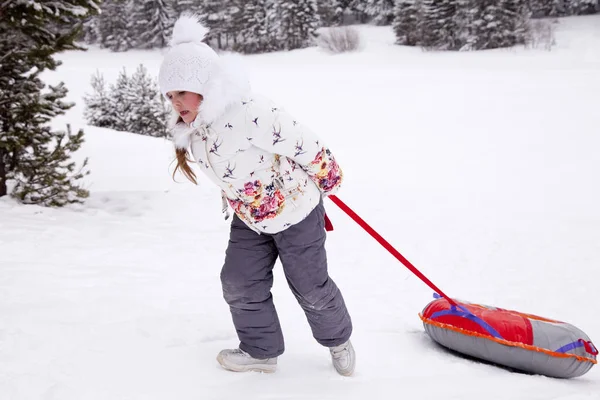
(189, 64)
(193, 66)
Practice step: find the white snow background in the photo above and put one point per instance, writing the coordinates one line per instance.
(482, 168)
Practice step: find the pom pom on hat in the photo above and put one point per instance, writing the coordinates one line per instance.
(188, 29)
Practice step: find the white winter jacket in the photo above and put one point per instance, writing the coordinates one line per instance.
(272, 169)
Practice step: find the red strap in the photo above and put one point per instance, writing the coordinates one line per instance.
(388, 247)
(590, 348)
(328, 224)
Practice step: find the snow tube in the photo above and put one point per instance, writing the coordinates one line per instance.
(512, 339)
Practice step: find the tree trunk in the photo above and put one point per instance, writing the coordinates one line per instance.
(3, 167)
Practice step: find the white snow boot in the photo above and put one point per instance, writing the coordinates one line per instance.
(238, 360)
(344, 358)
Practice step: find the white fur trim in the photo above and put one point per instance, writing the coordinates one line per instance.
(227, 86)
(180, 131)
(181, 135)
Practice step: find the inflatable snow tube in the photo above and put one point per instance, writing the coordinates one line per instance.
(508, 338)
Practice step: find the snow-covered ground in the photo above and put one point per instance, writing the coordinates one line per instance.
(481, 168)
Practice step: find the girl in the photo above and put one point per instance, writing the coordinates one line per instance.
(274, 173)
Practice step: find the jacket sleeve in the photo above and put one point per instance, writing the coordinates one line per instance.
(279, 133)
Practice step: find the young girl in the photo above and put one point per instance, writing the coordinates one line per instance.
(274, 173)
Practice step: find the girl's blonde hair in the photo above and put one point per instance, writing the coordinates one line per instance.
(183, 160)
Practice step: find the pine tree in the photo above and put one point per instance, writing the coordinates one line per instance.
(547, 8)
(499, 23)
(121, 99)
(484, 22)
(194, 6)
(250, 26)
(33, 156)
(234, 19)
(340, 8)
(90, 30)
(153, 23)
(213, 16)
(327, 12)
(382, 11)
(466, 32)
(46, 176)
(148, 112)
(99, 109)
(582, 7)
(299, 21)
(272, 26)
(358, 8)
(517, 21)
(334, 12)
(438, 25)
(407, 22)
(115, 26)
(257, 32)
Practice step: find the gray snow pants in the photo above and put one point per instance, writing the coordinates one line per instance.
(247, 278)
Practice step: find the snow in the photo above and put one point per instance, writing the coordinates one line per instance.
(481, 168)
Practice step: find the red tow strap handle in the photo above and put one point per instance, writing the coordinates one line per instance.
(388, 247)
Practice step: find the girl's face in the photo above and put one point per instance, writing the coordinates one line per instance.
(186, 104)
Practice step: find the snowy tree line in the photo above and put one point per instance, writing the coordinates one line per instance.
(255, 26)
(559, 8)
(247, 26)
(477, 24)
(461, 24)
